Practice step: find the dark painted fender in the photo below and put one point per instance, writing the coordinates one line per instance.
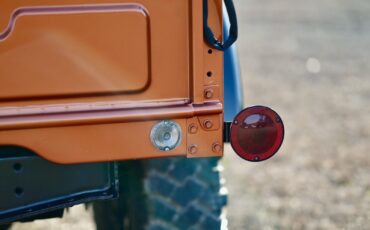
(232, 79)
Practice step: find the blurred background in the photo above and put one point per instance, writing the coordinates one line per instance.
(310, 61)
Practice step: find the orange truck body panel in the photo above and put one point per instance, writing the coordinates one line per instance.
(85, 81)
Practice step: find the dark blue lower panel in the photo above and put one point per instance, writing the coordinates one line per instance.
(233, 85)
(232, 79)
(32, 186)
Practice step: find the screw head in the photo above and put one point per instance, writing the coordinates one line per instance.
(193, 149)
(208, 124)
(193, 128)
(208, 93)
(216, 147)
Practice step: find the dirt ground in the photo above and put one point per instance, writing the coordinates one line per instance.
(309, 60)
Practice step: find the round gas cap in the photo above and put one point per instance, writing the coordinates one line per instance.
(257, 133)
(166, 135)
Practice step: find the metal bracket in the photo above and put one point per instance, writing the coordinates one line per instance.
(226, 132)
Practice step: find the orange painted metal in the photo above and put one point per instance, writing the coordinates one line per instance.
(85, 81)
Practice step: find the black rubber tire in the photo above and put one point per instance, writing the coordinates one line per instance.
(164, 194)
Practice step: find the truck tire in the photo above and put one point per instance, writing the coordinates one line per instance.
(161, 194)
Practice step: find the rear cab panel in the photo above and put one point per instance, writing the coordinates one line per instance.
(86, 82)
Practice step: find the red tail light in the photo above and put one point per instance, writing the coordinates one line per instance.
(257, 133)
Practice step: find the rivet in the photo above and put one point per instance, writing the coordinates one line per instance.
(208, 93)
(193, 128)
(208, 124)
(193, 149)
(216, 147)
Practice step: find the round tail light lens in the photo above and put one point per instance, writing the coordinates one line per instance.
(166, 135)
(257, 133)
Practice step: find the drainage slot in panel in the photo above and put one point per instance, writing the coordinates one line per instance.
(17, 167)
(18, 191)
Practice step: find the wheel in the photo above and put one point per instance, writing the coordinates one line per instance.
(161, 194)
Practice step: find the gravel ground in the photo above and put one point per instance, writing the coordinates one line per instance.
(309, 60)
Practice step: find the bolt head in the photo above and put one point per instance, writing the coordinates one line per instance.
(208, 124)
(208, 93)
(216, 147)
(193, 128)
(193, 149)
